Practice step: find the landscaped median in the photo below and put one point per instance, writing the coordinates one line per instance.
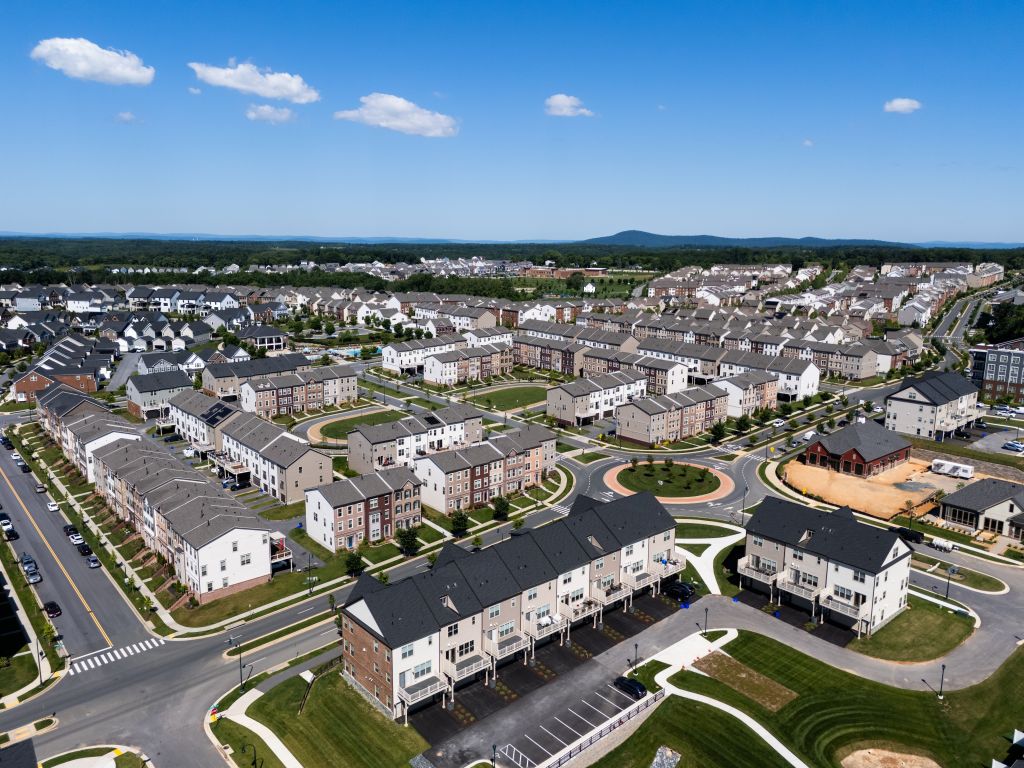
(121, 757)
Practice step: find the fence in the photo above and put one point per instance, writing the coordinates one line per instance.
(595, 736)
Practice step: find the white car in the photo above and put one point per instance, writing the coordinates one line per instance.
(52, 506)
(76, 539)
(15, 456)
(6, 525)
(877, 409)
(778, 423)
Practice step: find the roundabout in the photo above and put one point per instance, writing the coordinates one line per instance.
(675, 483)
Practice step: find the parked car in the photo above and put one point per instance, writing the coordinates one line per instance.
(1014, 446)
(5, 522)
(28, 563)
(980, 424)
(52, 609)
(69, 529)
(15, 456)
(912, 537)
(778, 423)
(632, 688)
(33, 576)
(40, 488)
(93, 561)
(84, 550)
(240, 486)
(172, 438)
(25, 467)
(11, 535)
(679, 590)
(877, 409)
(52, 506)
(76, 539)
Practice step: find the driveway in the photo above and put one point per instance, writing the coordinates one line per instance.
(124, 369)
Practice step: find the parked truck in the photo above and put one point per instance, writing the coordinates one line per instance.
(951, 468)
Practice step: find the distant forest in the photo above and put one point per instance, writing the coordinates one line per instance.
(38, 259)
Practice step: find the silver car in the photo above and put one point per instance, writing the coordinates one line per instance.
(33, 576)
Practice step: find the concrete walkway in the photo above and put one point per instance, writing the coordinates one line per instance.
(704, 563)
(236, 713)
(11, 699)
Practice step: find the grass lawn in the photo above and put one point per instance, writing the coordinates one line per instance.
(437, 517)
(340, 464)
(482, 515)
(339, 429)
(564, 447)
(422, 403)
(677, 480)
(285, 512)
(726, 456)
(380, 553)
(935, 531)
(694, 549)
(586, 458)
(428, 534)
(128, 760)
(79, 753)
(964, 576)
(20, 673)
(237, 736)
(700, 531)
(834, 710)
(728, 580)
(702, 735)
(646, 673)
(513, 397)
(336, 727)
(924, 631)
(955, 448)
(11, 406)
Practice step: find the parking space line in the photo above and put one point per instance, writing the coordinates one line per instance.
(538, 745)
(602, 714)
(617, 707)
(581, 717)
(621, 693)
(568, 727)
(549, 733)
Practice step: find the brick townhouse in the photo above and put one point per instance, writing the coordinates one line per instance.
(471, 364)
(670, 418)
(372, 447)
(318, 388)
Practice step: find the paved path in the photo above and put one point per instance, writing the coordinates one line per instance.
(236, 712)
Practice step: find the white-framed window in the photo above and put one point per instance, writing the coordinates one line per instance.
(494, 611)
(246, 559)
(407, 651)
(532, 594)
(453, 630)
(421, 670)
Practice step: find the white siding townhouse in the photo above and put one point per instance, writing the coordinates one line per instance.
(932, 406)
(408, 356)
(586, 400)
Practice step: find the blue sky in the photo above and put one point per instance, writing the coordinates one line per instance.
(430, 119)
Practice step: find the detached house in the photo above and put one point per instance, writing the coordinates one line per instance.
(987, 505)
(858, 449)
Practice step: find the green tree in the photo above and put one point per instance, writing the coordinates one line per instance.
(324, 360)
(329, 328)
(743, 423)
(407, 541)
(668, 464)
(399, 330)
(197, 381)
(460, 523)
(650, 461)
(635, 462)
(354, 564)
(501, 508)
(718, 431)
(807, 400)
(518, 523)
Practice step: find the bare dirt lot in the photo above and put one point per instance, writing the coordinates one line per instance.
(883, 758)
(742, 679)
(881, 495)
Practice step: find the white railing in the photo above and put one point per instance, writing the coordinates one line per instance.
(808, 593)
(461, 671)
(610, 594)
(758, 574)
(640, 580)
(503, 647)
(853, 611)
(579, 610)
(418, 694)
(537, 630)
(283, 554)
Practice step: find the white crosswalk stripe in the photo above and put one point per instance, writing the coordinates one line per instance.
(113, 656)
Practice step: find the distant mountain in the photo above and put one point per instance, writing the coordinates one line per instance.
(639, 239)
(968, 244)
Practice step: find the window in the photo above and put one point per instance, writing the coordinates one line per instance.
(407, 651)
(234, 546)
(223, 565)
(466, 648)
(758, 541)
(798, 555)
(505, 629)
(202, 571)
(453, 630)
(532, 594)
(494, 611)
(421, 670)
(599, 563)
(224, 582)
(566, 578)
(859, 576)
(246, 559)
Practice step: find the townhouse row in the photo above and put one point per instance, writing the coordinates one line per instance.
(318, 388)
(406, 643)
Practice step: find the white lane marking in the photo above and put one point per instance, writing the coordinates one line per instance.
(307, 610)
(617, 707)
(621, 693)
(602, 714)
(129, 650)
(539, 746)
(90, 664)
(549, 733)
(568, 727)
(581, 717)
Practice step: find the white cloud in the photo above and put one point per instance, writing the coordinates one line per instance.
(385, 110)
(247, 78)
(267, 114)
(902, 105)
(194, 91)
(83, 59)
(807, 143)
(126, 117)
(563, 105)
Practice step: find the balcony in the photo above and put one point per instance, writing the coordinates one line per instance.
(421, 690)
(759, 573)
(663, 569)
(465, 667)
(853, 611)
(578, 610)
(608, 595)
(544, 626)
(808, 593)
(505, 646)
(639, 580)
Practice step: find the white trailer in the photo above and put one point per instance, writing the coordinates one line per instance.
(951, 468)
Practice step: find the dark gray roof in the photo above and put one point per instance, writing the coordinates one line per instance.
(938, 387)
(162, 380)
(985, 494)
(835, 535)
(870, 439)
(354, 489)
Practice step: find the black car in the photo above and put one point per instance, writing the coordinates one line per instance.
(69, 529)
(26, 468)
(11, 535)
(913, 537)
(632, 688)
(84, 550)
(680, 590)
(240, 486)
(172, 438)
(52, 609)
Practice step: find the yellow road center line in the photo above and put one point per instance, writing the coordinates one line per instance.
(60, 565)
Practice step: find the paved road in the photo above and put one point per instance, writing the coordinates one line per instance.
(124, 370)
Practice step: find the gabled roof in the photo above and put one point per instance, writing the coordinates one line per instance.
(161, 381)
(871, 440)
(982, 495)
(937, 387)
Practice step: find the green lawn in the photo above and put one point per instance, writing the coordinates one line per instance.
(728, 580)
(20, 673)
(513, 397)
(336, 727)
(237, 736)
(429, 534)
(702, 735)
(677, 480)
(935, 531)
(78, 753)
(695, 549)
(381, 552)
(835, 710)
(700, 531)
(482, 514)
(924, 631)
(964, 576)
(422, 402)
(338, 430)
(955, 448)
(340, 464)
(285, 512)
(586, 458)
(564, 447)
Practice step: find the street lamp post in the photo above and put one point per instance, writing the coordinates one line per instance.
(309, 571)
(942, 680)
(494, 755)
(636, 655)
(233, 641)
(705, 622)
(950, 573)
(246, 748)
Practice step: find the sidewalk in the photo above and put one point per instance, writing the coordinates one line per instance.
(236, 713)
(11, 699)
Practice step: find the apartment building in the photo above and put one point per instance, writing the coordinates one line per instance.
(564, 357)
(987, 505)
(839, 569)
(330, 385)
(933, 405)
(409, 356)
(470, 364)
(469, 318)
(148, 394)
(368, 508)
(478, 337)
(663, 376)
(200, 419)
(588, 337)
(398, 443)
(406, 643)
(670, 418)
(998, 370)
(586, 400)
(749, 392)
(59, 402)
(271, 458)
(862, 448)
(225, 380)
(474, 475)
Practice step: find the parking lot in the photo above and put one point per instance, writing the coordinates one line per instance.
(562, 728)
